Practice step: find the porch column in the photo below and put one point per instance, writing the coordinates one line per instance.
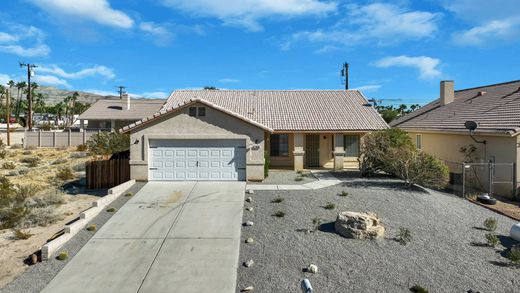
(81, 125)
(339, 152)
(113, 124)
(298, 151)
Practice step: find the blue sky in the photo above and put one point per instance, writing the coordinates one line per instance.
(397, 50)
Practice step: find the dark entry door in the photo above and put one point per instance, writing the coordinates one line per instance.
(312, 150)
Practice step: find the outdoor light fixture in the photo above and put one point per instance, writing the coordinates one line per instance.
(136, 141)
(472, 126)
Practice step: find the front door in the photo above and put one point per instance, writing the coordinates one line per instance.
(312, 150)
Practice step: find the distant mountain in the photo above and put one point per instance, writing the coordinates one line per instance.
(54, 95)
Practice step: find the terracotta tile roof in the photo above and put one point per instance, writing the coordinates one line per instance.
(284, 110)
(496, 108)
(116, 109)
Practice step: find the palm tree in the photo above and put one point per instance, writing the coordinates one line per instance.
(59, 108)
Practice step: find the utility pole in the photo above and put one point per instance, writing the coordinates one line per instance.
(344, 75)
(121, 90)
(8, 111)
(29, 93)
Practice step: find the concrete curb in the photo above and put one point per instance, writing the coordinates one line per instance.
(73, 228)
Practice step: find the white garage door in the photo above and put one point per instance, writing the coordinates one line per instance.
(197, 160)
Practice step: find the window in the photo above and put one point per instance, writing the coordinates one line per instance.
(193, 111)
(202, 111)
(418, 142)
(351, 145)
(279, 145)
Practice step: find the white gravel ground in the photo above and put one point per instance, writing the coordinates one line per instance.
(36, 277)
(444, 255)
(287, 177)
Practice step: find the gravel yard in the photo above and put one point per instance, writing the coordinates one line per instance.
(288, 177)
(36, 277)
(446, 253)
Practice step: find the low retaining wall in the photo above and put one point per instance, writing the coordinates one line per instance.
(57, 139)
(73, 228)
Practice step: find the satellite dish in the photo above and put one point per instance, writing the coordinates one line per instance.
(471, 125)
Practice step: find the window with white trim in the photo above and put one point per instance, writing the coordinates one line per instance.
(279, 145)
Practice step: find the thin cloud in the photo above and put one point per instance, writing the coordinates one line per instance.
(98, 11)
(504, 30)
(24, 41)
(51, 80)
(247, 13)
(427, 66)
(97, 70)
(159, 34)
(368, 88)
(229, 80)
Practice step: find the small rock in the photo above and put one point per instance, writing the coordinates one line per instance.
(249, 263)
(249, 199)
(250, 191)
(312, 269)
(247, 289)
(34, 259)
(249, 209)
(248, 223)
(249, 240)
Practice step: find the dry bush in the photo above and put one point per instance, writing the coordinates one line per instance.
(59, 161)
(21, 234)
(31, 161)
(82, 148)
(64, 174)
(8, 165)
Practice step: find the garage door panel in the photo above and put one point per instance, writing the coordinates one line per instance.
(197, 160)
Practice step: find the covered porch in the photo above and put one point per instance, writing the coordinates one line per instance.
(307, 150)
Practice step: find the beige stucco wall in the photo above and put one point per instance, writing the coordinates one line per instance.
(215, 125)
(504, 149)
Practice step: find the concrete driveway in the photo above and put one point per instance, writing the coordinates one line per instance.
(170, 237)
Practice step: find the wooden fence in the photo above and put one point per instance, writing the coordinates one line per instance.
(107, 173)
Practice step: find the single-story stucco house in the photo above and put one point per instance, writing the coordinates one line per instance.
(232, 134)
(115, 113)
(439, 128)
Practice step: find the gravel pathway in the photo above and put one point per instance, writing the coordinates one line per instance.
(287, 177)
(445, 254)
(36, 277)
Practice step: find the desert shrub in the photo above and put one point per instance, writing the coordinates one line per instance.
(329, 206)
(298, 178)
(63, 255)
(279, 214)
(490, 224)
(65, 173)
(129, 194)
(20, 234)
(393, 152)
(82, 148)
(40, 217)
(27, 153)
(343, 194)
(403, 236)
(316, 223)
(79, 167)
(31, 148)
(418, 289)
(3, 154)
(23, 171)
(108, 143)
(42, 201)
(277, 200)
(514, 255)
(62, 148)
(31, 161)
(492, 239)
(59, 161)
(92, 227)
(8, 165)
(111, 210)
(16, 146)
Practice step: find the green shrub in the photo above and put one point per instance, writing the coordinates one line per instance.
(8, 165)
(129, 194)
(404, 236)
(329, 206)
(64, 174)
(63, 255)
(418, 289)
(21, 235)
(111, 210)
(277, 200)
(108, 143)
(492, 239)
(491, 224)
(31, 161)
(316, 223)
(3, 154)
(92, 227)
(82, 148)
(514, 255)
(279, 214)
(393, 152)
(343, 193)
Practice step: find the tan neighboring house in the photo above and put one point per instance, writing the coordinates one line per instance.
(231, 134)
(114, 114)
(439, 128)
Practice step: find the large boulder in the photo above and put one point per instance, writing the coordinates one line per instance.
(359, 225)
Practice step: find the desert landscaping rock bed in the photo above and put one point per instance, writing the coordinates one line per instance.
(288, 177)
(36, 277)
(446, 253)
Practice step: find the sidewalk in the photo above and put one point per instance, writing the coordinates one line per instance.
(325, 179)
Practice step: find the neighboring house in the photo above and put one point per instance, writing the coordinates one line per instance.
(114, 114)
(231, 134)
(438, 128)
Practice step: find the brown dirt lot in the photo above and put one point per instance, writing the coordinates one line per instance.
(43, 178)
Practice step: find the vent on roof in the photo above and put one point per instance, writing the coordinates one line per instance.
(115, 107)
(481, 93)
